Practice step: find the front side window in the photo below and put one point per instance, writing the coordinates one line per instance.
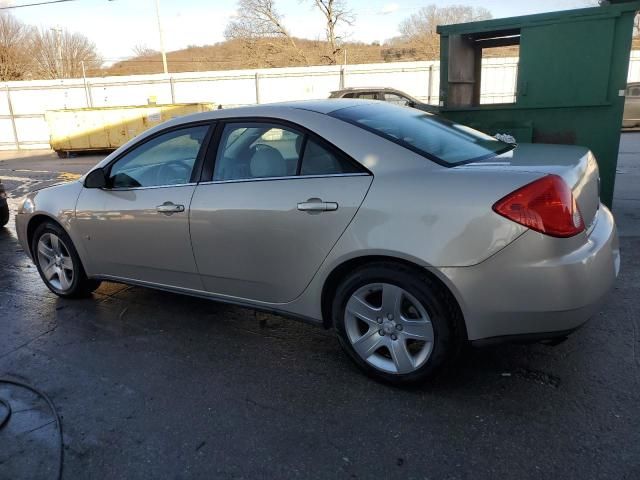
(167, 159)
(265, 150)
(634, 91)
(432, 136)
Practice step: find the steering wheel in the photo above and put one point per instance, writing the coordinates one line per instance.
(173, 173)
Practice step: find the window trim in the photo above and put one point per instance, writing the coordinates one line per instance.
(290, 177)
(197, 166)
(214, 145)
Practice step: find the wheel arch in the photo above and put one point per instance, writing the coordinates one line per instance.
(34, 222)
(340, 271)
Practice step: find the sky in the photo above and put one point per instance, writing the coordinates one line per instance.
(116, 26)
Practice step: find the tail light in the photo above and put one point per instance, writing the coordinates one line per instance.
(546, 205)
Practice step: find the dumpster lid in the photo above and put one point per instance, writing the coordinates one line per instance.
(510, 23)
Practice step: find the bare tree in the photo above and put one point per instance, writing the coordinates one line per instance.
(142, 50)
(336, 14)
(61, 54)
(14, 60)
(419, 29)
(259, 19)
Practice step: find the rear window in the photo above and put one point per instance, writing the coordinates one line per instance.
(440, 140)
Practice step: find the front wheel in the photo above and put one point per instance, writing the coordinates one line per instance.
(59, 264)
(396, 322)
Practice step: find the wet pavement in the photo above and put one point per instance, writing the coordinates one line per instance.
(156, 385)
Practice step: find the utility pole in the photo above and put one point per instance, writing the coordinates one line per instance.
(59, 63)
(87, 88)
(164, 55)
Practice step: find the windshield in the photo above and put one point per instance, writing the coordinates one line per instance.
(440, 140)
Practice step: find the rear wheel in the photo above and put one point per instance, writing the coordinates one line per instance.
(395, 322)
(59, 264)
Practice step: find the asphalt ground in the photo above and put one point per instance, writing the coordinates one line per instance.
(156, 385)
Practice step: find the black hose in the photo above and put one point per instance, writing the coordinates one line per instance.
(52, 407)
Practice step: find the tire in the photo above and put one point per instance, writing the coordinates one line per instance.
(4, 213)
(425, 323)
(58, 262)
(62, 154)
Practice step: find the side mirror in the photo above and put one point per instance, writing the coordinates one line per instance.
(96, 179)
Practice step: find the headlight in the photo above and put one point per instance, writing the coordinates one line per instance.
(27, 206)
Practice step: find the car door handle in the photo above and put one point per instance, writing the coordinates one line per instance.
(169, 208)
(315, 205)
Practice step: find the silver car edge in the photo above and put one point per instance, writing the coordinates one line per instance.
(631, 117)
(405, 233)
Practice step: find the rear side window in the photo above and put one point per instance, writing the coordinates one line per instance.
(396, 99)
(257, 150)
(317, 160)
(432, 136)
(251, 150)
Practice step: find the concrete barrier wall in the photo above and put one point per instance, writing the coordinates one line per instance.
(22, 104)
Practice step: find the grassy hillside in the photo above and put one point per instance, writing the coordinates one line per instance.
(263, 53)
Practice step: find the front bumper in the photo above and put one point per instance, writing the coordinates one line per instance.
(21, 230)
(539, 284)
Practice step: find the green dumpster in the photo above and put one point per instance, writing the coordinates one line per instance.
(572, 75)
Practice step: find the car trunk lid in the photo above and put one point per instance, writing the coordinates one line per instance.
(576, 165)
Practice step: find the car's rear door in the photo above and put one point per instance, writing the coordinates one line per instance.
(278, 200)
(138, 227)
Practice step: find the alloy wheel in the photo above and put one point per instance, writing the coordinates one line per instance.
(389, 328)
(55, 262)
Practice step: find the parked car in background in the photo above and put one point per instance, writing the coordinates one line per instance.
(631, 117)
(4, 208)
(406, 233)
(389, 95)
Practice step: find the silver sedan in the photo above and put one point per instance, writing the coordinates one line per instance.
(407, 234)
(631, 117)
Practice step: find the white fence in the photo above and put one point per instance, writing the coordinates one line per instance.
(22, 104)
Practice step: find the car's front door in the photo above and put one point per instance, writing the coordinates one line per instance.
(278, 202)
(138, 227)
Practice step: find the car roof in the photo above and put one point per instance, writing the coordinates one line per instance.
(318, 106)
(358, 89)
(326, 106)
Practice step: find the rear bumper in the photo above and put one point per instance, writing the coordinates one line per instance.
(539, 285)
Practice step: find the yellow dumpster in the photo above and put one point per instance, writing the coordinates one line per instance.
(107, 128)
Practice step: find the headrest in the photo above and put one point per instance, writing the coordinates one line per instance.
(267, 162)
